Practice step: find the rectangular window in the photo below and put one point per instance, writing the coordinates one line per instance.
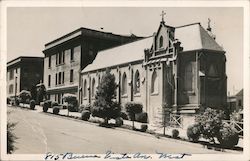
(16, 70)
(56, 78)
(72, 54)
(63, 57)
(48, 96)
(49, 61)
(11, 89)
(11, 74)
(60, 78)
(49, 79)
(71, 75)
(60, 58)
(189, 76)
(56, 58)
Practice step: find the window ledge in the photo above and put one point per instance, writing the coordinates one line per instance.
(155, 94)
(124, 96)
(137, 95)
(189, 92)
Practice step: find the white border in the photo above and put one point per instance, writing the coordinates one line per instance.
(64, 3)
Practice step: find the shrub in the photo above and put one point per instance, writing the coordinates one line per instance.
(53, 104)
(46, 105)
(124, 116)
(32, 104)
(10, 137)
(236, 116)
(70, 98)
(133, 108)
(141, 117)
(175, 133)
(144, 128)
(17, 102)
(118, 121)
(56, 110)
(86, 107)
(24, 95)
(210, 123)
(193, 133)
(228, 137)
(72, 108)
(85, 115)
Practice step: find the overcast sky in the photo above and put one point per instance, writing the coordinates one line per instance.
(28, 29)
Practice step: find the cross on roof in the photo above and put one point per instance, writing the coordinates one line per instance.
(162, 15)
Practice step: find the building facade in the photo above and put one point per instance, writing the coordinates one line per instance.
(178, 68)
(23, 73)
(66, 56)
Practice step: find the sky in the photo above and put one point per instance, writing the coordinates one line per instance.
(30, 28)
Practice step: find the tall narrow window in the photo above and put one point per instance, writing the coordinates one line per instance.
(60, 58)
(71, 75)
(60, 78)
(72, 54)
(161, 42)
(56, 78)
(63, 56)
(93, 88)
(49, 61)
(154, 83)
(188, 77)
(124, 84)
(11, 74)
(137, 82)
(49, 79)
(85, 89)
(56, 58)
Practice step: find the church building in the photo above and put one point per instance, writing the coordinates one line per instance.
(177, 68)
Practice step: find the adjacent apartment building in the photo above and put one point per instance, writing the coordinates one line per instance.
(23, 73)
(66, 56)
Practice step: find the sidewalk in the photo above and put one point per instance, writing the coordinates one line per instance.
(159, 131)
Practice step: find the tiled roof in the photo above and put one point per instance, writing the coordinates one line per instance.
(195, 37)
(130, 52)
(192, 37)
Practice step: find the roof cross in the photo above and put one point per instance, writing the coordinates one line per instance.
(162, 15)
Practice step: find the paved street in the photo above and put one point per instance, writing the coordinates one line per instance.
(39, 133)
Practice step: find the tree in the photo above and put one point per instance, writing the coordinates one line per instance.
(133, 108)
(210, 122)
(104, 105)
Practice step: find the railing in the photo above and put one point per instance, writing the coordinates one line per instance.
(238, 126)
(176, 121)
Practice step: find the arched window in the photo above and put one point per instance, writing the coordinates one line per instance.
(161, 42)
(124, 84)
(93, 88)
(85, 89)
(137, 82)
(154, 83)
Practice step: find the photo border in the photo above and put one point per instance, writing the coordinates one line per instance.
(64, 3)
